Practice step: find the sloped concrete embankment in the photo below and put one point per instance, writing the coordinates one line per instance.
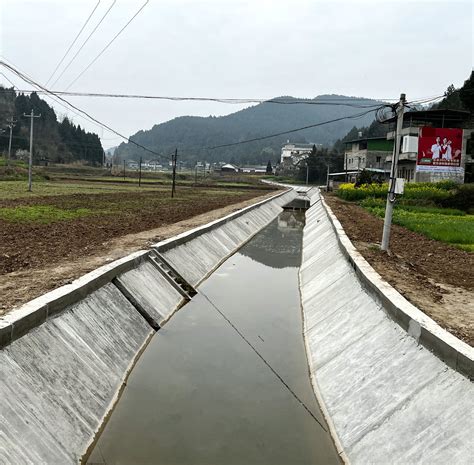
(65, 355)
(388, 398)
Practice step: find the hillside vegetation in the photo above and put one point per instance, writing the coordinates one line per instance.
(54, 141)
(192, 135)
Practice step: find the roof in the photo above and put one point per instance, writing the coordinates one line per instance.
(434, 116)
(228, 165)
(362, 139)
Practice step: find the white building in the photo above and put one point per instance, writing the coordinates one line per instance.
(295, 151)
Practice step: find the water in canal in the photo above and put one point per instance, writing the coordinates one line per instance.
(200, 395)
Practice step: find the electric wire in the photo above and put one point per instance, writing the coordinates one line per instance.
(72, 44)
(379, 111)
(349, 101)
(30, 81)
(57, 101)
(84, 43)
(358, 115)
(108, 45)
(6, 77)
(282, 381)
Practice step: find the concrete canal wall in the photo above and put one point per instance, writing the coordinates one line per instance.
(393, 384)
(65, 355)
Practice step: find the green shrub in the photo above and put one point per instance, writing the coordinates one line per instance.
(462, 198)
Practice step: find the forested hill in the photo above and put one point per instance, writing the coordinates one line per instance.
(188, 133)
(54, 141)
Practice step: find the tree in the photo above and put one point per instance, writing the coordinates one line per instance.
(466, 93)
(269, 169)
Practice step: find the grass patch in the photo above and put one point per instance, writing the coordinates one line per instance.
(18, 189)
(44, 214)
(446, 225)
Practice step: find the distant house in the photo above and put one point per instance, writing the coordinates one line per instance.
(228, 168)
(368, 153)
(293, 152)
(254, 169)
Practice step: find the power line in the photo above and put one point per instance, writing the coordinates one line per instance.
(350, 100)
(84, 43)
(55, 99)
(6, 77)
(73, 42)
(346, 101)
(108, 45)
(35, 84)
(282, 381)
(358, 115)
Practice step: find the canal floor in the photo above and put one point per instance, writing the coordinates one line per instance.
(200, 394)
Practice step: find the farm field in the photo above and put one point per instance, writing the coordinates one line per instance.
(425, 209)
(77, 226)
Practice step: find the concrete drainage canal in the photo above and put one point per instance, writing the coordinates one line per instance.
(226, 379)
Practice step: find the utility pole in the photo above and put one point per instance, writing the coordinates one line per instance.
(393, 175)
(140, 173)
(307, 172)
(11, 124)
(174, 159)
(32, 116)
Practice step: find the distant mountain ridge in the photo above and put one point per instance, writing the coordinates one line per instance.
(190, 134)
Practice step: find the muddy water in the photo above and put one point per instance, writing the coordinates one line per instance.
(200, 394)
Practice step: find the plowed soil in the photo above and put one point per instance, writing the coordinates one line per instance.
(36, 257)
(434, 276)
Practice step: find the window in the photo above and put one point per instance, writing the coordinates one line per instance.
(378, 159)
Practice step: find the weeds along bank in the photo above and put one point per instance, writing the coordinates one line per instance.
(442, 211)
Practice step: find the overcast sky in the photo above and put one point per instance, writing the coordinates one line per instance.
(227, 48)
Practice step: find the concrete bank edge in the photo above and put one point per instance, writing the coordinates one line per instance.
(186, 236)
(20, 321)
(454, 352)
(322, 405)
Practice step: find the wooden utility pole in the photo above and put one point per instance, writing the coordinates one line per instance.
(32, 116)
(174, 159)
(11, 124)
(393, 175)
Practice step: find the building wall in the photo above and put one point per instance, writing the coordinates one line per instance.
(362, 159)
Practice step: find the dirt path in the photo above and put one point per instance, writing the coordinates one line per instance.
(44, 269)
(437, 278)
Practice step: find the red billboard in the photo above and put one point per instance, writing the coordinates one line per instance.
(439, 149)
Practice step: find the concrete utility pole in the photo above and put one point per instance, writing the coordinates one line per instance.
(32, 116)
(11, 124)
(307, 172)
(393, 175)
(174, 159)
(140, 173)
